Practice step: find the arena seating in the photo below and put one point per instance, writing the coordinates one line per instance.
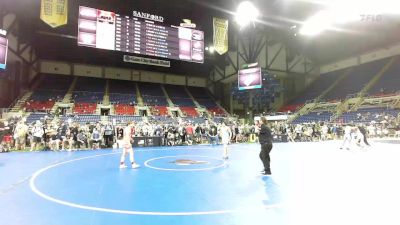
(33, 117)
(123, 119)
(55, 82)
(165, 119)
(322, 83)
(194, 120)
(160, 111)
(88, 92)
(204, 99)
(155, 100)
(149, 89)
(128, 99)
(356, 80)
(43, 100)
(121, 86)
(198, 92)
(47, 95)
(314, 117)
(52, 88)
(291, 107)
(39, 106)
(87, 97)
(82, 119)
(179, 96)
(389, 83)
(122, 109)
(152, 94)
(122, 92)
(366, 115)
(87, 84)
(182, 102)
(176, 91)
(85, 108)
(217, 111)
(189, 111)
(218, 119)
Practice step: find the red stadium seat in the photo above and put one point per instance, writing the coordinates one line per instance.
(85, 108)
(122, 109)
(189, 111)
(161, 110)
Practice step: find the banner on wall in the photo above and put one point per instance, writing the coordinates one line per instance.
(54, 12)
(146, 61)
(220, 35)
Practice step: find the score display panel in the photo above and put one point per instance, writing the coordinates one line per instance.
(108, 30)
(250, 78)
(3, 51)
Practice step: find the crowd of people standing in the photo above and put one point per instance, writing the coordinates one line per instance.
(58, 135)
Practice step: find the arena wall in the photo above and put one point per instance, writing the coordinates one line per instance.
(65, 68)
(361, 59)
(118, 74)
(174, 79)
(22, 67)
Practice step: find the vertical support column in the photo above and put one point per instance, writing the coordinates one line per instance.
(231, 100)
(250, 109)
(17, 79)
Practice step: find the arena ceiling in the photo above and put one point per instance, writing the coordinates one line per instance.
(278, 20)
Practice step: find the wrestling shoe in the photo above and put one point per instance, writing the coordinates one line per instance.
(266, 173)
(122, 166)
(135, 166)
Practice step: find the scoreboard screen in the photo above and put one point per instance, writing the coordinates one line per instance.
(250, 78)
(108, 30)
(3, 51)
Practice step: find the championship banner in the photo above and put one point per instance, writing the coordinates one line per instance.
(54, 12)
(220, 35)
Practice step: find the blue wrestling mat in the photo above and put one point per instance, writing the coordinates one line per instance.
(312, 183)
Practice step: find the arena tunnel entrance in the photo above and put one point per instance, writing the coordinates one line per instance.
(143, 112)
(105, 111)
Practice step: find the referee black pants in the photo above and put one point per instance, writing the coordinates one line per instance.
(264, 156)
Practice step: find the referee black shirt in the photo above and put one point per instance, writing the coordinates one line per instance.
(265, 136)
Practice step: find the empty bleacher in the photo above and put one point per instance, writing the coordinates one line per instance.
(88, 91)
(33, 117)
(87, 97)
(356, 80)
(164, 119)
(124, 119)
(322, 83)
(194, 120)
(152, 94)
(314, 117)
(55, 82)
(122, 92)
(87, 84)
(367, 115)
(85, 108)
(389, 83)
(204, 99)
(51, 89)
(81, 119)
(127, 99)
(160, 110)
(122, 109)
(189, 111)
(181, 99)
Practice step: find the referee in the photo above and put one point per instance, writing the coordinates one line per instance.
(265, 139)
